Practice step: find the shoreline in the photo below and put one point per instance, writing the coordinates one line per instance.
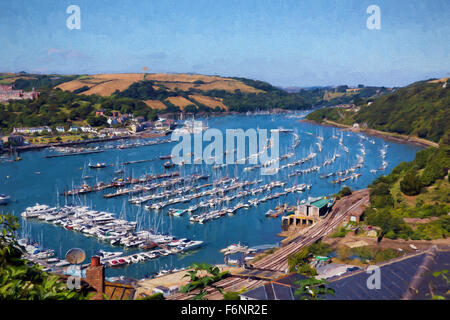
(377, 133)
(83, 142)
(143, 134)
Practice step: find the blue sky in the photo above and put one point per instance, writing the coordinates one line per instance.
(287, 43)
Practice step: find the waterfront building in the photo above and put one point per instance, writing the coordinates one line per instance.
(164, 124)
(32, 130)
(307, 214)
(136, 127)
(115, 131)
(16, 140)
(87, 129)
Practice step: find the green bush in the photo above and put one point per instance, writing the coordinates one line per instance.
(229, 295)
(385, 255)
(320, 249)
(342, 232)
(410, 185)
(432, 172)
(344, 192)
(155, 296)
(365, 253)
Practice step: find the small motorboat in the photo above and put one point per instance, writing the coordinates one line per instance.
(4, 199)
(98, 165)
(168, 164)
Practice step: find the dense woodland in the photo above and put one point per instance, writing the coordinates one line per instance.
(418, 189)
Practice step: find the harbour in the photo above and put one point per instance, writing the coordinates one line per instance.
(217, 204)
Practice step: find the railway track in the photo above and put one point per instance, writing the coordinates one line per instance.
(278, 261)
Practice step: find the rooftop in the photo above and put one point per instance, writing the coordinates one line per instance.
(320, 203)
(410, 277)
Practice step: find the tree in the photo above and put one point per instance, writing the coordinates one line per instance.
(345, 191)
(95, 121)
(155, 296)
(410, 185)
(312, 289)
(19, 280)
(211, 274)
(229, 295)
(431, 173)
(298, 259)
(320, 249)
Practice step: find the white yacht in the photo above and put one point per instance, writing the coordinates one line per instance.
(4, 199)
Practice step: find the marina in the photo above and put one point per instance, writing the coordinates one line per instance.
(198, 209)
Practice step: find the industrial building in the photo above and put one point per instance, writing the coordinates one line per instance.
(308, 213)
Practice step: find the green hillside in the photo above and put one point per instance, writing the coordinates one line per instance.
(421, 109)
(413, 201)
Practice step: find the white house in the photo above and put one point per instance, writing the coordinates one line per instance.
(32, 130)
(87, 129)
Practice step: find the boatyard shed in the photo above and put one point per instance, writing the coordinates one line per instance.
(316, 209)
(307, 214)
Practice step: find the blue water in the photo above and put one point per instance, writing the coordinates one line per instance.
(36, 179)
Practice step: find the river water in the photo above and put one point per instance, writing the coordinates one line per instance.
(36, 179)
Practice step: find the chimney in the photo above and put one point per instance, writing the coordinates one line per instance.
(95, 276)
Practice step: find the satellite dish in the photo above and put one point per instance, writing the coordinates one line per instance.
(75, 256)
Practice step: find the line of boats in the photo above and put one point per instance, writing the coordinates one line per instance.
(164, 184)
(105, 227)
(47, 258)
(216, 214)
(118, 182)
(229, 185)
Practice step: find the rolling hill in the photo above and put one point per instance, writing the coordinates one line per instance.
(107, 84)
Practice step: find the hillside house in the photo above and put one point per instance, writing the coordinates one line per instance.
(7, 92)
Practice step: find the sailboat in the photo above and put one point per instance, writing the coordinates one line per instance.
(118, 168)
(84, 175)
